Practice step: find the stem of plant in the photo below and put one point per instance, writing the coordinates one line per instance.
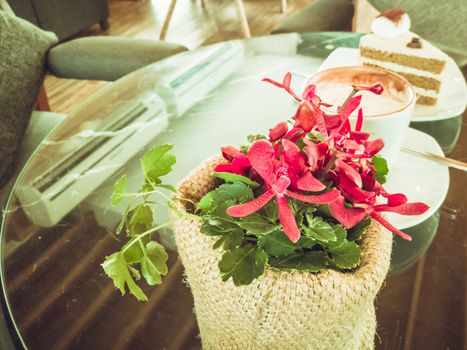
(347, 100)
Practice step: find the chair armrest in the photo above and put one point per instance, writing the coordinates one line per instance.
(319, 16)
(106, 58)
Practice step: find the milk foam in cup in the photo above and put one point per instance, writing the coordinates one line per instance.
(386, 116)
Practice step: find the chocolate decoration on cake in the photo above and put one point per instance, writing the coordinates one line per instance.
(415, 43)
(393, 15)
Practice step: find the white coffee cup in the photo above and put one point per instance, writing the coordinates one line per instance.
(385, 116)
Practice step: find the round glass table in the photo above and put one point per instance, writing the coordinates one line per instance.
(59, 223)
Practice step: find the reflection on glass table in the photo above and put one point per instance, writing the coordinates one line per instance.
(59, 224)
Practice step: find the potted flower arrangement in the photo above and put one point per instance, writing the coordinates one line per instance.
(282, 239)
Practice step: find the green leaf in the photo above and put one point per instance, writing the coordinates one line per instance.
(347, 256)
(341, 237)
(276, 243)
(212, 230)
(312, 261)
(306, 242)
(221, 219)
(206, 203)
(270, 211)
(168, 187)
(229, 177)
(230, 241)
(356, 232)
(116, 268)
(140, 220)
(257, 224)
(119, 192)
(319, 229)
(239, 192)
(381, 167)
(154, 263)
(243, 265)
(133, 254)
(157, 162)
(253, 137)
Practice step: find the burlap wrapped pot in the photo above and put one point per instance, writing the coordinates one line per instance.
(282, 309)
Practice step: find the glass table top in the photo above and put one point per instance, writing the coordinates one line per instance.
(59, 225)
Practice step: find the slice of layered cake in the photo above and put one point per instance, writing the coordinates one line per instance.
(393, 47)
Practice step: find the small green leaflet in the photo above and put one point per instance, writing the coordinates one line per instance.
(230, 240)
(243, 265)
(236, 192)
(381, 167)
(357, 232)
(140, 220)
(154, 263)
(116, 268)
(229, 177)
(312, 262)
(119, 192)
(157, 162)
(257, 224)
(276, 243)
(347, 256)
(319, 229)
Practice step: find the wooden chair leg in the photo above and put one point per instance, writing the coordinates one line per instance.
(42, 102)
(243, 20)
(167, 20)
(284, 6)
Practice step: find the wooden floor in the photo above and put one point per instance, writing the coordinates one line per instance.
(192, 25)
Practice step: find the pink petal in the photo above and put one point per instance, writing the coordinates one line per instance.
(309, 92)
(241, 160)
(359, 124)
(245, 209)
(278, 131)
(376, 88)
(324, 198)
(354, 193)
(294, 134)
(350, 107)
(396, 199)
(373, 147)
(281, 184)
(305, 117)
(359, 136)
(310, 183)
(332, 121)
(261, 155)
(287, 219)
(391, 228)
(229, 152)
(350, 172)
(315, 154)
(228, 168)
(292, 155)
(416, 208)
(285, 85)
(348, 217)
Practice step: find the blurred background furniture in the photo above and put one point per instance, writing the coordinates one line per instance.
(241, 14)
(319, 15)
(22, 69)
(63, 17)
(440, 22)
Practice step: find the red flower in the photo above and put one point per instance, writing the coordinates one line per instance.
(239, 162)
(275, 173)
(376, 88)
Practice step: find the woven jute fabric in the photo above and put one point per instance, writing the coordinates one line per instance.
(281, 309)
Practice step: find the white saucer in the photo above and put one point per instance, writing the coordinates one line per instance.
(452, 97)
(419, 179)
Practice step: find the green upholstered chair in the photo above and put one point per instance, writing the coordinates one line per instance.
(26, 52)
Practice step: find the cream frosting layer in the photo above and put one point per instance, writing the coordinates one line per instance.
(425, 92)
(402, 69)
(399, 45)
